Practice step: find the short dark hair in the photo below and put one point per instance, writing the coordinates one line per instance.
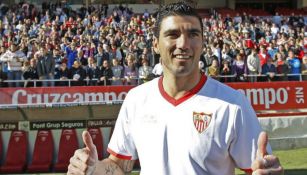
(175, 9)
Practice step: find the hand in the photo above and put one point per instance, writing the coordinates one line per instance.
(265, 164)
(85, 159)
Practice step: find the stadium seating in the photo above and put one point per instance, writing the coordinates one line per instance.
(67, 146)
(97, 140)
(16, 157)
(43, 152)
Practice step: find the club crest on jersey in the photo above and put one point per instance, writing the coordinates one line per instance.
(201, 121)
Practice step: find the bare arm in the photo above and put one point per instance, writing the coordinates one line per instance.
(114, 166)
(85, 161)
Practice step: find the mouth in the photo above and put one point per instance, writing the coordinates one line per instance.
(182, 57)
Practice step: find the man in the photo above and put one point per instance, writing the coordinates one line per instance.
(30, 73)
(253, 64)
(14, 58)
(46, 67)
(101, 56)
(294, 65)
(188, 123)
(269, 69)
(209, 57)
(106, 74)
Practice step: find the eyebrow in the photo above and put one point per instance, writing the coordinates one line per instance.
(193, 30)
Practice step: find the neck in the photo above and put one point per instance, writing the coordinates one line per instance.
(177, 87)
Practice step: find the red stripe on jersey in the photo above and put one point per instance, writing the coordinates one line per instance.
(120, 156)
(188, 94)
(247, 170)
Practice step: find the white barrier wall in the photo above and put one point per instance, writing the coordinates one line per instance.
(286, 132)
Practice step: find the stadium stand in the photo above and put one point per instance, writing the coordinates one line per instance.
(43, 153)
(16, 156)
(68, 35)
(67, 146)
(97, 140)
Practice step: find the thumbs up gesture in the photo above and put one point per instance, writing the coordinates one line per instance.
(85, 159)
(265, 164)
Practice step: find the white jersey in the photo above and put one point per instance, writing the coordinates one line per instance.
(211, 130)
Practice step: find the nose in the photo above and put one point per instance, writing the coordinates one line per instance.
(183, 42)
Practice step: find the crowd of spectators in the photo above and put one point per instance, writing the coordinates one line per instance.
(102, 46)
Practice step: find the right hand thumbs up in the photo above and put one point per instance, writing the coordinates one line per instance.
(85, 159)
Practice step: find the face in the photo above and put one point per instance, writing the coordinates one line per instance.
(115, 62)
(291, 54)
(214, 63)
(32, 63)
(180, 45)
(130, 61)
(105, 63)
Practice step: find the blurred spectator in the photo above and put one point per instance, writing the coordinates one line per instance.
(209, 57)
(81, 59)
(14, 59)
(226, 54)
(282, 67)
(57, 58)
(131, 71)
(263, 55)
(101, 56)
(71, 54)
(106, 74)
(118, 72)
(78, 74)
(277, 19)
(145, 71)
(29, 72)
(214, 70)
(269, 70)
(294, 66)
(304, 68)
(45, 67)
(253, 65)
(225, 71)
(64, 74)
(239, 69)
(115, 53)
(92, 72)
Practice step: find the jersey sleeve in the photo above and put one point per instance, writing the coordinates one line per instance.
(247, 128)
(121, 144)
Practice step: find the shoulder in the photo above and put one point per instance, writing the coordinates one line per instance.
(143, 90)
(222, 92)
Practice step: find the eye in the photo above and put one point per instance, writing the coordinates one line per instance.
(194, 34)
(172, 35)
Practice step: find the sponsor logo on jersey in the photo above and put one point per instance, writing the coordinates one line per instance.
(201, 121)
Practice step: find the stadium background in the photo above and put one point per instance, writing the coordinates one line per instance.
(285, 122)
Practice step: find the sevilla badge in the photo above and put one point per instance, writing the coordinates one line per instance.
(201, 121)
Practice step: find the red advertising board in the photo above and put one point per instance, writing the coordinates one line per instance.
(50, 95)
(274, 95)
(263, 96)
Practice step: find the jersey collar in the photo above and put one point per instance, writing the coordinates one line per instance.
(188, 94)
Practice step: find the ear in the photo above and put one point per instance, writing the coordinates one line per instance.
(155, 45)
